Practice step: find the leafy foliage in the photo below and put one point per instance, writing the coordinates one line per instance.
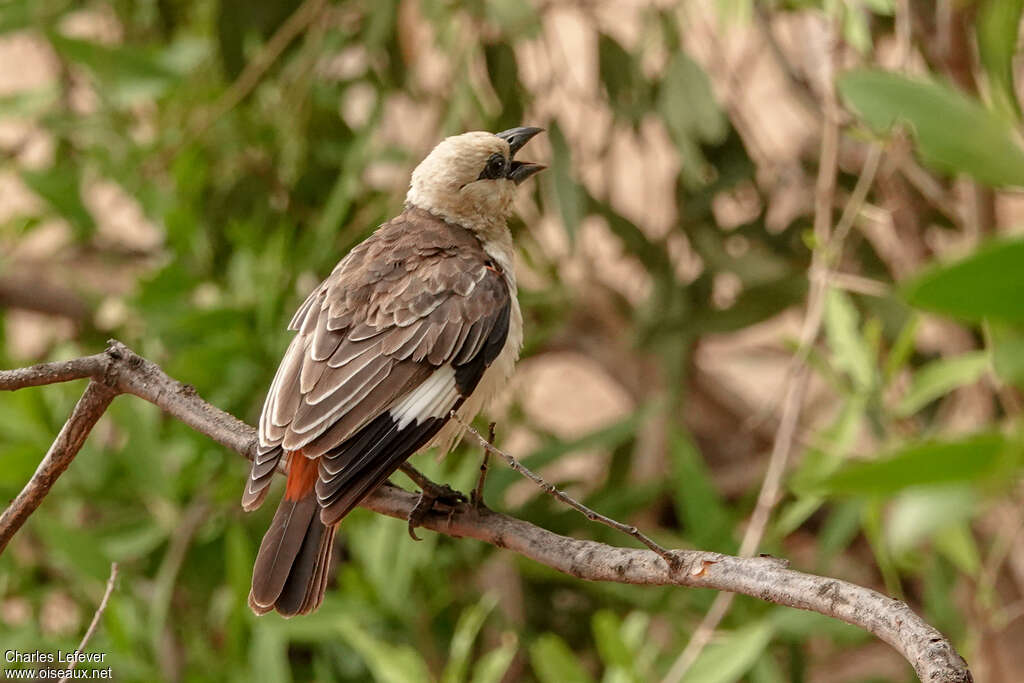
(258, 164)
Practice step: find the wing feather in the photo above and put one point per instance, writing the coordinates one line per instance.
(345, 379)
(392, 341)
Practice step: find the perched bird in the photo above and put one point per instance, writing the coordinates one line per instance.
(418, 320)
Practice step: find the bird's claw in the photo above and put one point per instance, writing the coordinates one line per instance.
(430, 494)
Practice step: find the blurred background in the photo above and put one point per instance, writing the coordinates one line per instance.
(178, 174)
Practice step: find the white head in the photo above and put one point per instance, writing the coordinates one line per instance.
(471, 179)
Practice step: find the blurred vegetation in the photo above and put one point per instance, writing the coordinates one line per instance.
(260, 141)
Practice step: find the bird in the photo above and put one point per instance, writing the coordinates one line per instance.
(417, 321)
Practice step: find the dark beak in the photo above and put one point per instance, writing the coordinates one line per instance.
(517, 137)
(518, 171)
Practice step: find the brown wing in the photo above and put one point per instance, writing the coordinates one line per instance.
(416, 300)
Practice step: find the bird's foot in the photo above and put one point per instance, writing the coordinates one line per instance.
(430, 493)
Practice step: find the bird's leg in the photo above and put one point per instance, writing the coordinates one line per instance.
(477, 497)
(429, 494)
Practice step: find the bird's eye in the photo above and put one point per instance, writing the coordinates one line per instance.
(495, 167)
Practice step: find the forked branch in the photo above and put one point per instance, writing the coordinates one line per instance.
(121, 371)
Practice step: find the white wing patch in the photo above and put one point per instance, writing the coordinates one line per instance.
(435, 397)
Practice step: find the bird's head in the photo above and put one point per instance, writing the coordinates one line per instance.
(471, 178)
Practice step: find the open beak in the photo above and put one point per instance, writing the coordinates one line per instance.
(518, 171)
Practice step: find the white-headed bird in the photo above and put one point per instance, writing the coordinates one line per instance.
(419, 320)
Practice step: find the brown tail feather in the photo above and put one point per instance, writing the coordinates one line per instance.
(290, 574)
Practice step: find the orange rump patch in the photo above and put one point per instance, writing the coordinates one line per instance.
(302, 474)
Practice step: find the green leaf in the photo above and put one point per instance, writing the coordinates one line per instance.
(902, 348)
(29, 103)
(754, 304)
(126, 74)
(687, 104)
(570, 197)
(238, 558)
(729, 659)
(614, 651)
(998, 26)
(620, 75)
(883, 7)
(919, 514)
(268, 654)
(734, 12)
(20, 14)
(930, 462)
(554, 662)
(940, 377)
(389, 663)
(698, 504)
(503, 70)
(954, 133)
(491, 668)
(1006, 344)
(957, 543)
(60, 187)
(798, 625)
(850, 353)
(516, 18)
(839, 530)
(986, 284)
(856, 29)
(466, 630)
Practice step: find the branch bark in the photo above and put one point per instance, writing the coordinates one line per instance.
(119, 370)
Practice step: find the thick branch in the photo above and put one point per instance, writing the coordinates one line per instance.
(119, 370)
(765, 578)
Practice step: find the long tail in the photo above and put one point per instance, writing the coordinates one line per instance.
(290, 574)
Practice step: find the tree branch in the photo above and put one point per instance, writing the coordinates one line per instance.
(119, 370)
(83, 418)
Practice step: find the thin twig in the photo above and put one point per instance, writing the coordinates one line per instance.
(593, 516)
(858, 284)
(859, 195)
(478, 493)
(95, 621)
(931, 654)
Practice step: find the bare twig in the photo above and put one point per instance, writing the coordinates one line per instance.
(859, 195)
(478, 493)
(565, 498)
(933, 657)
(87, 411)
(858, 284)
(95, 621)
